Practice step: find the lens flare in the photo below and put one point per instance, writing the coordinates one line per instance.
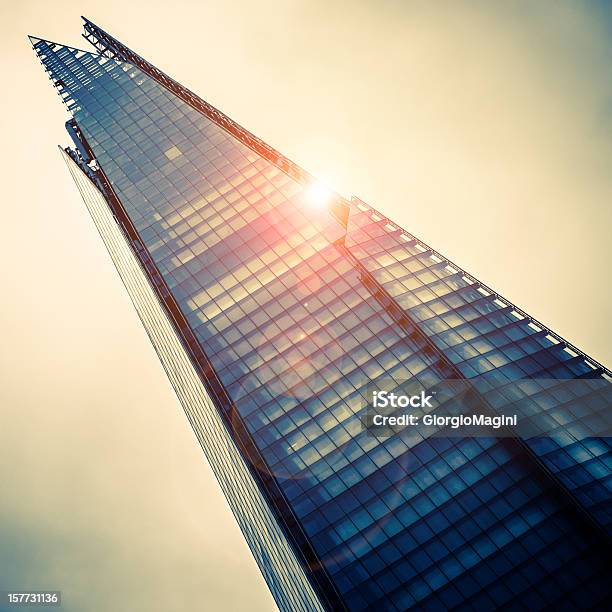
(318, 194)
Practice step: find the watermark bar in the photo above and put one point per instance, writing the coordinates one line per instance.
(485, 407)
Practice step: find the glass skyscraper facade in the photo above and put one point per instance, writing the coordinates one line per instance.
(272, 317)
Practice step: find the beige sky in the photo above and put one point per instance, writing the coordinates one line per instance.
(483, 128)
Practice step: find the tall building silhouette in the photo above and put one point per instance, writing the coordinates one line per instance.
(274, 304)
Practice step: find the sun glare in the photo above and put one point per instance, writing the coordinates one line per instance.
(318, 194)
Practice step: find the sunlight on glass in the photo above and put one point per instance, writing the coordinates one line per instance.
(318, 194)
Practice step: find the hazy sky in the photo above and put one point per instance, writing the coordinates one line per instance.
(482, 127)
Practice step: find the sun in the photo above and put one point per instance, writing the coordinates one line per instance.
(318, 194)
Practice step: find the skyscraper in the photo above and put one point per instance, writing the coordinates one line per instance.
(275, 304)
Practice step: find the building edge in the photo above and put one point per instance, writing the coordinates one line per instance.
(276, 558)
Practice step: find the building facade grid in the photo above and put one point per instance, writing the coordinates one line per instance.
(295, 336)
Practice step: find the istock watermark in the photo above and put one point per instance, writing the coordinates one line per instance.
(384, 399)
(485, 407)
